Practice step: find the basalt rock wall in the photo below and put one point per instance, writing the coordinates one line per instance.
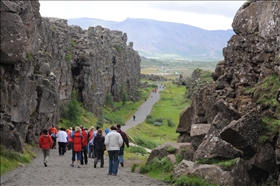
(43, 60)
(230, 112)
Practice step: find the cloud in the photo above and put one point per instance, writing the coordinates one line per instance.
(210, 15)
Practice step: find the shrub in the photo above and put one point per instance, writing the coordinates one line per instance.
(170, 122)
(158, 124)
(74, 110)
(150, 119)
(179, 158)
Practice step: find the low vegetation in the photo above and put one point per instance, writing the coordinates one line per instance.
(10, 159)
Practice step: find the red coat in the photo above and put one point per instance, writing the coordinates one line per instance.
(90, 134)
(70, 140)
(53, 130)
(77, 142)
(45, 141)
(85, 142)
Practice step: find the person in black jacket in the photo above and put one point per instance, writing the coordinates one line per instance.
(99, 148)
(125, 141)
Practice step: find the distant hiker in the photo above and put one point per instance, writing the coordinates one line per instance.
(134, 118)
(114, 141)
(62, 141)
(53, 132)
(78, 140)
(45, 142)
(84, 158)
(106, 131)
(99, 148)
(125, 141)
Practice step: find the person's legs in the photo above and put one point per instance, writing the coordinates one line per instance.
(115, 162)
(97, 157)
(110, 153)
(121, 159)
(85, 154)
(59, 148)
(82, 158)
(73, 158)
(47, 156)
(63, 148)
(79, 157)
(102, 158)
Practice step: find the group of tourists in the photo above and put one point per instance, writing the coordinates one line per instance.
(86, 144)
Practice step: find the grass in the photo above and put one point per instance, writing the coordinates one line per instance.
(170, 105)
(224, 163)
(10, 159)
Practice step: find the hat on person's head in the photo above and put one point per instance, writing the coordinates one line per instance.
(119, 126)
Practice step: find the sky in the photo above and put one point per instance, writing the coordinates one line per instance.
(208, 15)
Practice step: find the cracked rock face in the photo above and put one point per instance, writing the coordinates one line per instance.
(234, 116)
(43, 60)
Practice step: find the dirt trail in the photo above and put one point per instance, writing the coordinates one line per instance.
(60, 173)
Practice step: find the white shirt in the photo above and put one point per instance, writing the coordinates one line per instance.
(62, 136)
(113, 140)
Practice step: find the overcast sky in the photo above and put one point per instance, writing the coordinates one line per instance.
(209, 15)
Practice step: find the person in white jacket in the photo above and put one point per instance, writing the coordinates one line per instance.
(62, 141)
(114, 141)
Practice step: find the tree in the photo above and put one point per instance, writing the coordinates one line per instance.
(74, 110)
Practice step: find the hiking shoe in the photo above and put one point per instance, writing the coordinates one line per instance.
(109, 174)
(114, 174)
(71, 164)
(79, 166)
(45, 164)
(121, 164)
(94, 166)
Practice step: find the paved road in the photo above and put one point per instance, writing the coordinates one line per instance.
(60, 173)
(143, 110)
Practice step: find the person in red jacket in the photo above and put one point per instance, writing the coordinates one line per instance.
(45, 142)
(84, 157)
(53, 132)
(78, 141)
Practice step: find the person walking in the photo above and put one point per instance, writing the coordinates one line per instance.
(99, 148)
(106, 131)
(78, 140)
(114, 141)
(45, 142)
(62, 141)
(53, 132)
(90, 143)
(84, 158)
(125, 141)
(133, 117)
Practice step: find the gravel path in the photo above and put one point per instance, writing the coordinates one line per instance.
(59, 172)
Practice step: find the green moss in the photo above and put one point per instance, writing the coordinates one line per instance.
(29, 57)
(225, 163)
(73, 43)
(118, 47)
(170, 149)
(69, 57)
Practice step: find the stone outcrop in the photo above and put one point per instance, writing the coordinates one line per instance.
(241, 105)
(43, 60)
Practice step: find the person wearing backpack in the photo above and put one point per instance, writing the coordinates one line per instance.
(45, 142)
(99, 148)
(125, 141)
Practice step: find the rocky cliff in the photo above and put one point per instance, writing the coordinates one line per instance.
(237, 118)
(43, 60)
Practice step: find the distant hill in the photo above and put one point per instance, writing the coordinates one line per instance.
(165, 39)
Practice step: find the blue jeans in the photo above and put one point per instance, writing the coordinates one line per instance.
(113, 161)
(79, 154)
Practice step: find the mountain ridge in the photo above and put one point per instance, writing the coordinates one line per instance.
(153, 38)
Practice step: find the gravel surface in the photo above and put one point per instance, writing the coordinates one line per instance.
(59, 172)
